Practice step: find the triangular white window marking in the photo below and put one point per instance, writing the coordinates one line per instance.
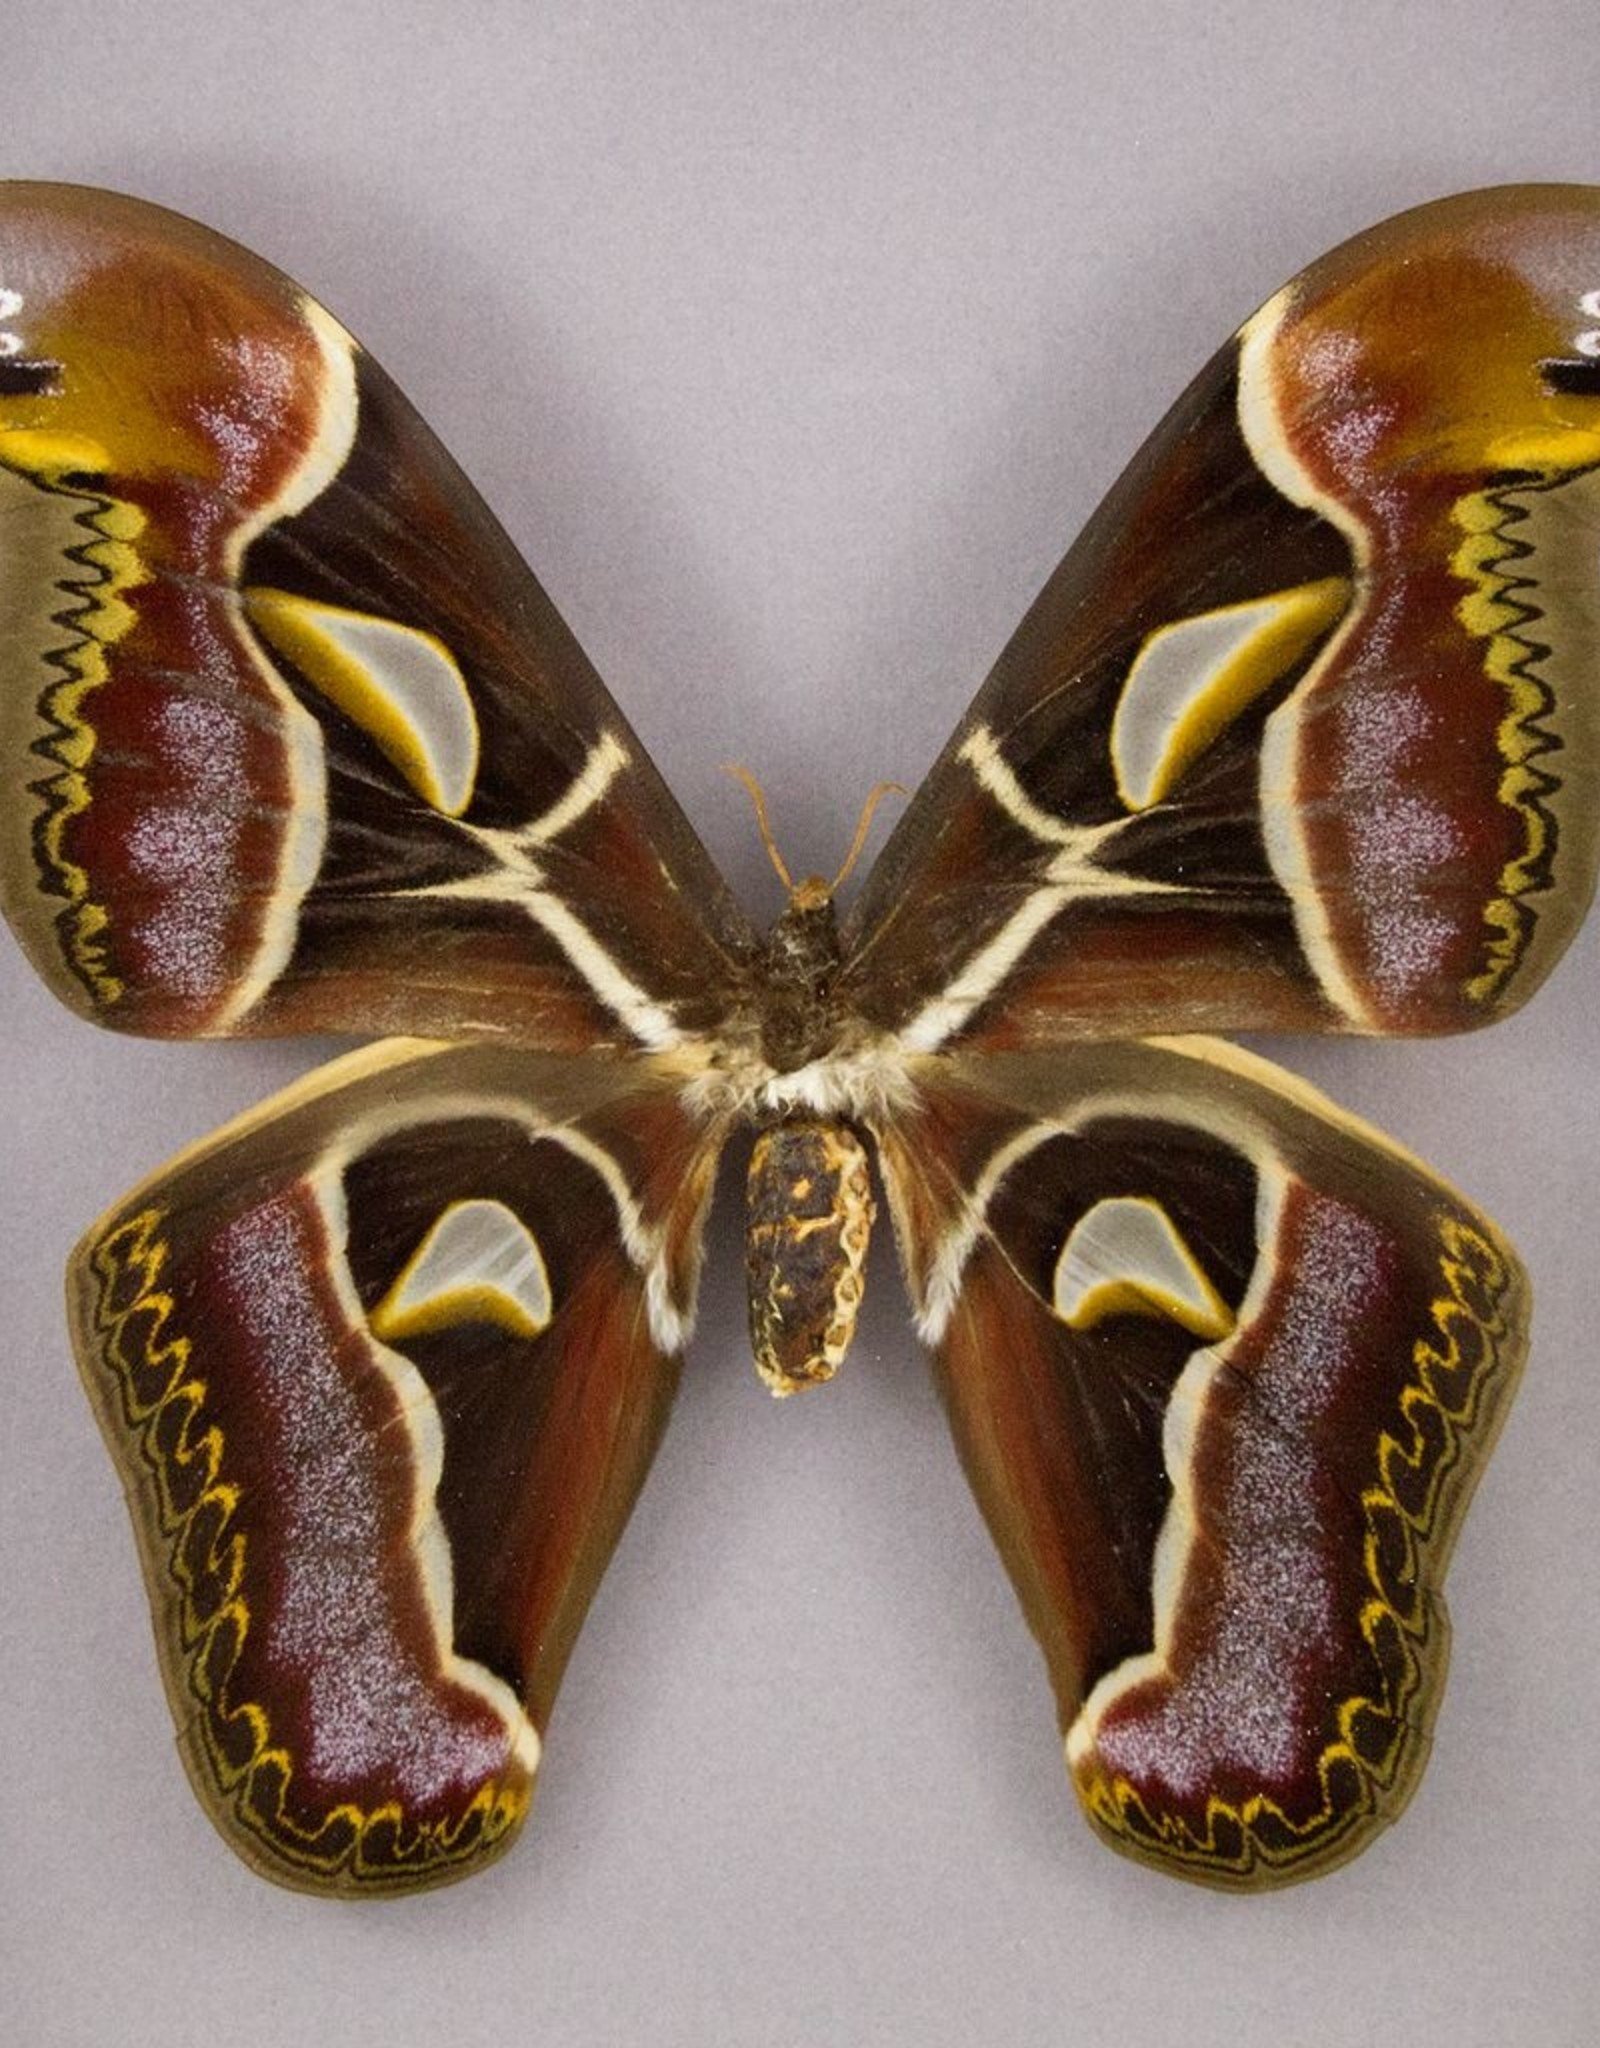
(480, 1263)
(1126, 1256)
(1190, 680)
(402, 686)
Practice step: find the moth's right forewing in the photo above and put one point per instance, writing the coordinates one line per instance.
(1304, 732)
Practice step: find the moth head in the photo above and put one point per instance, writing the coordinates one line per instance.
(815, 892)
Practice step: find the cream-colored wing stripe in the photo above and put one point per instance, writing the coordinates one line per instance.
(306, 810)
(1074, 872)
(515, 876)
(1282, 824)
(420, 1418)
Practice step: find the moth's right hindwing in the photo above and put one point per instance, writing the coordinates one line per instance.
(1223, 1367)
(383, 1368)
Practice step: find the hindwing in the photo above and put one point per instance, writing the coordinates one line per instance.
(1223, 1366)
(382, 1367)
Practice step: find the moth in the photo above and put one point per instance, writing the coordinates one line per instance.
(1300, 737)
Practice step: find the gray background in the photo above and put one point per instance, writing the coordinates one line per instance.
(793, 344)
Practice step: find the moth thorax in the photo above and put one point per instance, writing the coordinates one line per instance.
(808, 1219)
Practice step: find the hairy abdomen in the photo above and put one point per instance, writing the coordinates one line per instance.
(807, 1223)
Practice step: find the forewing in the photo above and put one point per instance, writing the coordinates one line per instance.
(382, 1368)
(1302, 734)
(290, 738)
(1223, 1367)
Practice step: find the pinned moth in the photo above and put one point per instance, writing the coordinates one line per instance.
(1301, 736)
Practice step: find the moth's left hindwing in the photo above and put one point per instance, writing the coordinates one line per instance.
(1223, 1366)
(290, 738)
(383, 1367)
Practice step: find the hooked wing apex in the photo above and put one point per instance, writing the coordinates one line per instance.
(290, 737)
(1304, 732)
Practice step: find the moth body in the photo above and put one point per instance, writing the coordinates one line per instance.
(800, 1015)
(808, 1196)
(808, 1221)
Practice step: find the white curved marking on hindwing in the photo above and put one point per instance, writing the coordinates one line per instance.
(478, 1262)
(643, 1241)
(942, 1288)
(1265, 1612)
(1126, 1256)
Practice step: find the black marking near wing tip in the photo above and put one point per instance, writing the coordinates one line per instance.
(1572, 376)
(19, 379)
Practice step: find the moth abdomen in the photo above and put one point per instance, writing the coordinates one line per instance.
(808, 1221)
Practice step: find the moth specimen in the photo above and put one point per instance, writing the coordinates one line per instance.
(1300, 736)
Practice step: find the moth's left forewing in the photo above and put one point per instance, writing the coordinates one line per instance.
(1223, 1366)
(1304, 732)
(291, 739)
(383, 1367)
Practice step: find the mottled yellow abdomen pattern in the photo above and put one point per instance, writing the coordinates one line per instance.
(808, 1220)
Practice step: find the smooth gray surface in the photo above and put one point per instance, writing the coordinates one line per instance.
(793, 344)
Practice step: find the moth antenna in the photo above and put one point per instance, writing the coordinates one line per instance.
(864, 825)
(758, 797)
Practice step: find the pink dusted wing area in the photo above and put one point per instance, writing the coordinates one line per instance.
(1223, 1367)
(383, 1368)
